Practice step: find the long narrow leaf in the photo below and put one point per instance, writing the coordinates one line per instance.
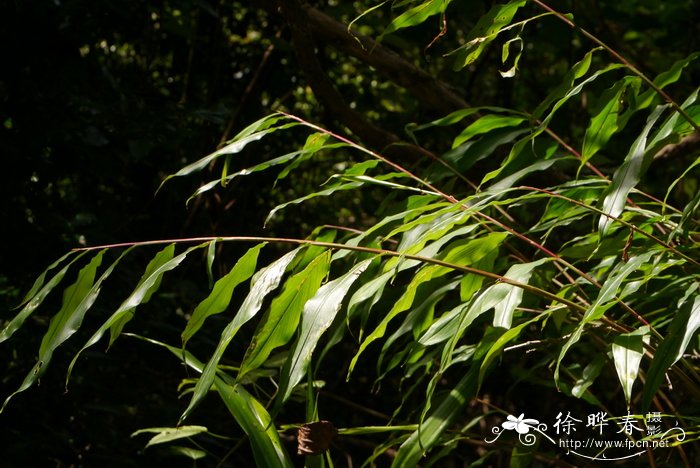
(35, 301)
(142, 292)
(280, 323)
(627, 175)
(317, 316)
(250, 415)
(264, 282)
(220, 297)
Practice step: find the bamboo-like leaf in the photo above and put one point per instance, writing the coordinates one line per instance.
(161, 258)
(39, 282)
(604, 124)
(253, 132)
(497, 347)
(280, 323)
(143, 291)
(211, 254)
(41, 290)
(590, 373)
(317, 316)
(451, 406)
(465, 254)
(485, 31)
(627, 175)
(220, 297)
(579, 69)
(416, 15)
(627, 351)
(291, 159)
(486, 124)
(671, 348)
(503, 316)
(254, 419)
(77, 299)
(664, 79)
(321, 193)
(263, 283)
(250, 415)
(168, 434)
(604, 300)
(505, 53)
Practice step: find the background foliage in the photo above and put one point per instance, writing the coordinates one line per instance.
(100, 104)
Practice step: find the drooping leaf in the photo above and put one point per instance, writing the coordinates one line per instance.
(449, 408)
(627, 351)
(485, 31)
(168, 434)
(416, 15)
(280, 323)
(250, 415)
(627, 175)
(143, 291)
(253, 132)
(670, 349)
(317, 316)
(77, 299)
(486, 124)
(465, 254)
(605, 123)
(161, 258)
(503, 316)
(604, 301)
(42, 290)
(265, 281)
(220, 297)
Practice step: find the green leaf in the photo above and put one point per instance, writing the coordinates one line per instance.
(503, 316)
(451, 407)
(485, 31)
(579, 69)
(220, 297)
(211, 254)
(263, 283)
(294, 158)
(189, 452)
(682, 328)
(590, 373)
(604, 124)
(280, 323)
(77, 299)
(497, 347)
(416, 15)
(162, 258)
(253, 132)
(604, 300)
(691, 328)
(464, 254)
(254, 419)
(317, 316)
(143, 291)
(31, 303)
(168, 434)
(484, 125)
(627, 175)
(250, 415)
(627, 351)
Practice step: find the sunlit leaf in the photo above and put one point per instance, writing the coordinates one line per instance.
(265, 281)
(317, 316)
(280, 323)
(627, 175)
(485, 31)
(41, 291)
(220, 297)
(627, 351)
